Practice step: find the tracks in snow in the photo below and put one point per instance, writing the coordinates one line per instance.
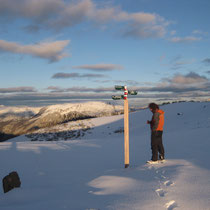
(164, 184)
(171, 205)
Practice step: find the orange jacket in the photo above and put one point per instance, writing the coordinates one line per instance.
(157, 121)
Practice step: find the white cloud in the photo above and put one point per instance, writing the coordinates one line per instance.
(143, 18)
(143, 25)
(52, 51)
(34, 9)
(199, 32)
(185, 39)
(191, 84)
(189, 79)
(145, 31)
(59, 14)
(99, 67)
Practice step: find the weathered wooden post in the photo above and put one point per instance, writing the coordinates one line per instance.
(126, 119)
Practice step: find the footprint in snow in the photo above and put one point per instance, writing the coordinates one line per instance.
(168, 183)
(163, 177)
(150, 167)
(160, 192)
(171, 205)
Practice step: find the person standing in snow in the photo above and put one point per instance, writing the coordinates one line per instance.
(156, 125)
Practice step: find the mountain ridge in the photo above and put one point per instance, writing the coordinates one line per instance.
(15, 122)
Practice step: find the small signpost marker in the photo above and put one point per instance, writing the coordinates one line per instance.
(126, 119)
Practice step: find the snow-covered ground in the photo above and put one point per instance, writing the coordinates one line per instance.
(88, 173)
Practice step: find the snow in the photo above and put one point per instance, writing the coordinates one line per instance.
(88, 108)
(95, 108)
(88, 173)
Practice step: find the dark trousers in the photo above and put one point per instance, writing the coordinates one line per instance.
(157, 145)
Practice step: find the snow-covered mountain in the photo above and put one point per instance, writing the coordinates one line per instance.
(88, 172)
(16, 121)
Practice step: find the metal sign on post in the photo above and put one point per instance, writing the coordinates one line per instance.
(126, 119)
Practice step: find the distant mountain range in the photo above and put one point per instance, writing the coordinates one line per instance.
(15, 121)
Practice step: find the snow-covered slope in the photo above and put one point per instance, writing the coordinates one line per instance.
(88, 108)
(21, 120)
(88, 172)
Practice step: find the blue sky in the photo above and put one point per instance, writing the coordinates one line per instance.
(80, 49)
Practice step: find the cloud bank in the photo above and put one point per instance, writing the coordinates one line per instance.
(187, 39)
(191, 86)
(18, 90)
(181, 84)
(59, 14)
(52, 51)
(178, 84)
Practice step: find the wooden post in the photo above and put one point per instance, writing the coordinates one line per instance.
(126, 134)
(126, 119)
